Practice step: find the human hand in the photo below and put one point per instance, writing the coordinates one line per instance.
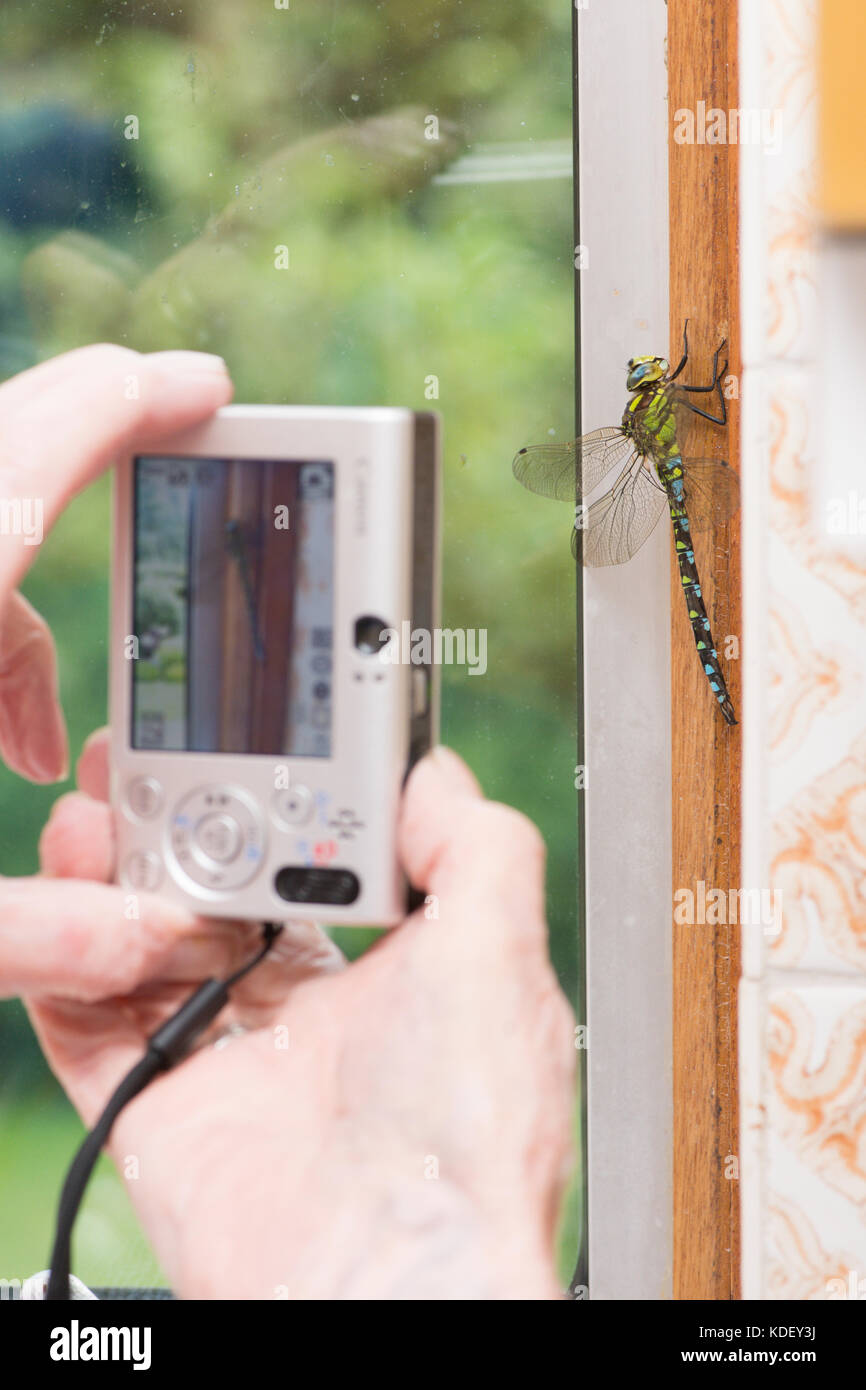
(61, 424)
(447, 1045)
(397, 1128)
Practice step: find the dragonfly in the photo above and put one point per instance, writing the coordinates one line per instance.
(651, 475)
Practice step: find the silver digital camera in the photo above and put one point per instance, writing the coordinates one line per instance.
(261, 728)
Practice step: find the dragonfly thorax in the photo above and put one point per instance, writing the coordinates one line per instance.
(650, 423)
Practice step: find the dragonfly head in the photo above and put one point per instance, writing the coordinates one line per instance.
(643, 371)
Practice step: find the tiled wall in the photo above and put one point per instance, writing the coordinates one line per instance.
(803, 995)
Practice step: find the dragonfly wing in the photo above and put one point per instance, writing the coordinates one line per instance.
(619, 522)
(553, 471)
(600, 453)
(712, 493)
(547, 470)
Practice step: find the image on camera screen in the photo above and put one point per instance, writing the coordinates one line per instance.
(233, 606)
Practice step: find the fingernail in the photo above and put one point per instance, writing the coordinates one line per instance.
(178, 361)
(45, 749)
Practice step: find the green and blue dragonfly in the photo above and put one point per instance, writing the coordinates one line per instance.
(651, 476)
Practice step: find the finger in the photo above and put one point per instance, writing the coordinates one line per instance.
(84, 940)
(301, 952)
(457, 846)
(32, 384)
(92, 1043)
(92, 770)
(32, 729)
(89, 1047)
(58, 434)
(78, 840)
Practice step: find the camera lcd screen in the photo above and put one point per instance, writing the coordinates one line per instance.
(233, 606)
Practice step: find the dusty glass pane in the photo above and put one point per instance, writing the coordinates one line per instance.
(353, 204)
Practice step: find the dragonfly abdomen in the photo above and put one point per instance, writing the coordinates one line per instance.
(672, 477)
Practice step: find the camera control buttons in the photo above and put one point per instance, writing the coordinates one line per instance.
(142, 870)
(216, 839)
(346, 824)
(292, 806)
(144, 797)
(219, 838)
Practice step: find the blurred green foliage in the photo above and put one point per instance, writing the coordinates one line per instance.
(258, 129)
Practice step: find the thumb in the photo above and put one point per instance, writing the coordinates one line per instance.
(455, 844)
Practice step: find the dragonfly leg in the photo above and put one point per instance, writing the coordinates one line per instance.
(685, 357)
(717, 375)
(716, 419)
(715, 385)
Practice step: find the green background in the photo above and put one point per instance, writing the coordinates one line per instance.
(253, 134)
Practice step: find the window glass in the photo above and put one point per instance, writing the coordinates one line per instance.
(353, 204)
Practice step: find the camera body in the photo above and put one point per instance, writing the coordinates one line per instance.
(263, 721)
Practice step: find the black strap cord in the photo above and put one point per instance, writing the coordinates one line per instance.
(167, 1046)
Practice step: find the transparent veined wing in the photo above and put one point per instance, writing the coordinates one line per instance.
(552, 470)
(712, 493)
(548, 470)
(617, 525)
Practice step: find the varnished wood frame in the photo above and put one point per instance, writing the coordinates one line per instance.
(704, 286)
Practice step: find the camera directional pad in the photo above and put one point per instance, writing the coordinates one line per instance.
(216, 839)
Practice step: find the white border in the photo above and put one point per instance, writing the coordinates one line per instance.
(623, 133)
